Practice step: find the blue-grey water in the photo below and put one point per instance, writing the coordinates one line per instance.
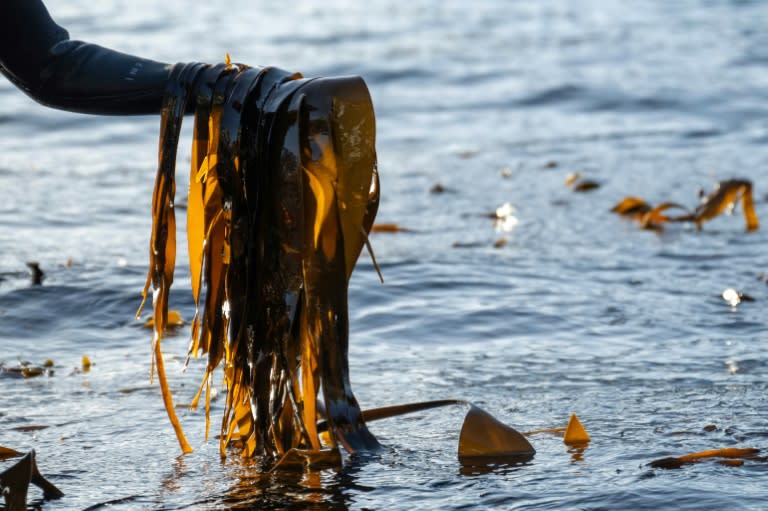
(579, 311)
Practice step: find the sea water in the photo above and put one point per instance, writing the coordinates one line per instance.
(565, 308)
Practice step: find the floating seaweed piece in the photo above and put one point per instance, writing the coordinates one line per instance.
(484, 439)
(467, 244)
(578, 183)
(392, 228)
(647, 216)
(6, 452)
(14, 483)
(633, 207)
(575, 435)
(37, 273)
(439, 188)
(174, 320)
(728, 454)
(24, 369)
(723, 198)
(29, 428)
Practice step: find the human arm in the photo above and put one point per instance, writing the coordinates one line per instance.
(37, 55)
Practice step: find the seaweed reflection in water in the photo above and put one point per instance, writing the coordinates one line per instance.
(331, 488)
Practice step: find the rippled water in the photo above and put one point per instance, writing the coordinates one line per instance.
(579, 311)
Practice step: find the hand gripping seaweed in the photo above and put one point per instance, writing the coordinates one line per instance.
(283, 191)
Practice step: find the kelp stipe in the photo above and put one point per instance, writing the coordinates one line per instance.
(283, 192)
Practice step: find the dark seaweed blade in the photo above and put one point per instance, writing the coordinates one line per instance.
(275, 282)
(236, 225)
(325, 260)
(748, 205)
(724, 453)
(295, 417)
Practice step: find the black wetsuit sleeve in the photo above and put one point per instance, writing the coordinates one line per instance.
(38, 57)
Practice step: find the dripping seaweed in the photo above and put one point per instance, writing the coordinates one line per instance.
(283, 192)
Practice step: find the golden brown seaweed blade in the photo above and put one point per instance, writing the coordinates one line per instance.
(575, 434)
(327, 253)
(727, 453)
(200, 166)
(484, 438)
(6, 452)
(388, 228)
(631, 206)
(162, 252)
(748, 205)
(654, 218)
(724, 197)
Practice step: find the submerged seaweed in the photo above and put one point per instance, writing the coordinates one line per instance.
(283, 192)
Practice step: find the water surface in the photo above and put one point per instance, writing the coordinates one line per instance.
(579, 311)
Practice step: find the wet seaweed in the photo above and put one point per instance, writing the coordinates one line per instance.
(729, 456)
(723, 199)
(283, 192)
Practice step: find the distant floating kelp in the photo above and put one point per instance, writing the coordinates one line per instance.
(723, 199)
(578, 183)
(26, 369)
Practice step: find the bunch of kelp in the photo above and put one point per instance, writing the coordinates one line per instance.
(283, 191)
(723, 199)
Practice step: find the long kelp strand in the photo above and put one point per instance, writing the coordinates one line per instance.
(163, 240)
